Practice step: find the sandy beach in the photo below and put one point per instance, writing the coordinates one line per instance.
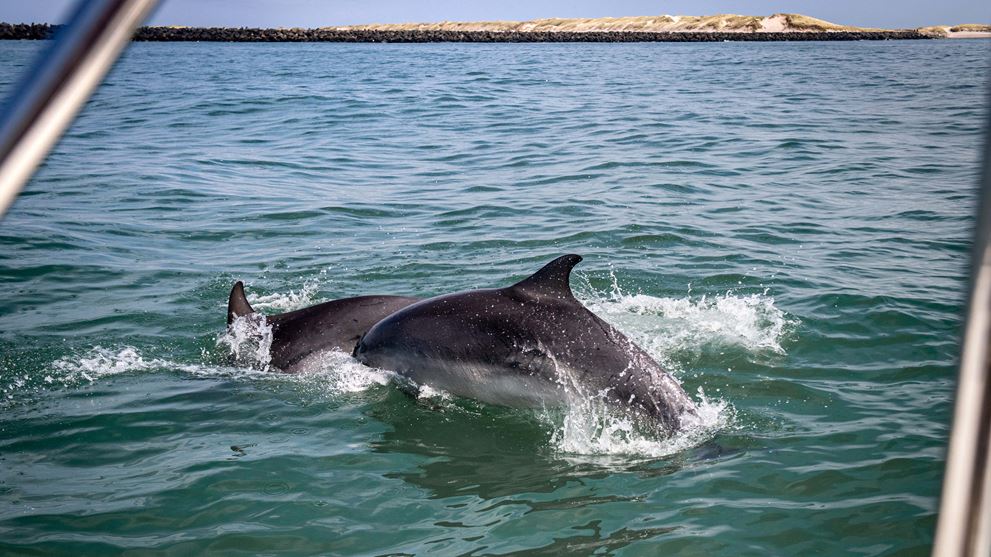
(968, 35)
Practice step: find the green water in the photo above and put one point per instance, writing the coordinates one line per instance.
(785, 227)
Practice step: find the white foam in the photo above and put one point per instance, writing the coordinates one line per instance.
(428, 393)
(99, 362)
(667, 326)
(336, 372)
(587, 427)
(249, 340)
(287, 301)
(590, 427)
(11, 385)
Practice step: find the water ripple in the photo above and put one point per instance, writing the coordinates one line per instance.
(785, 226)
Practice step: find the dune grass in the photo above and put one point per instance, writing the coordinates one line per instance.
(971, 28)
(934, 30)
(658, 23)
(799, 22)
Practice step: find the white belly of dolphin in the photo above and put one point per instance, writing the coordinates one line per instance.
(487, 383)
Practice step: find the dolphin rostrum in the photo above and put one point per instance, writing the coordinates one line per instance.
(528, 344)
(299, 335)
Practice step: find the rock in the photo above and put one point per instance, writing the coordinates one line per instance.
(35, 31)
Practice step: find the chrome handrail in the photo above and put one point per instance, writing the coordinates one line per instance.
(64, 78)
(964, 526)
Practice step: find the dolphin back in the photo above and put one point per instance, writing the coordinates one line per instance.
(298, 335)
(335, 325)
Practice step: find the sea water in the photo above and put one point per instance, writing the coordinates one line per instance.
(784, 226)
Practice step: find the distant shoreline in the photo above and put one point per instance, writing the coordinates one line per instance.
(40, 31)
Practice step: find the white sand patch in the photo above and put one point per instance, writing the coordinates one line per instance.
(968, 35)
(774, 24)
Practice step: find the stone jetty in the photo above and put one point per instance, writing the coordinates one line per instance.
(36, 31)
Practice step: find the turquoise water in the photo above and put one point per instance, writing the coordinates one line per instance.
(784, 226)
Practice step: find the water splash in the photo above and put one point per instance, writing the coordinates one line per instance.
(667, 326)
(99, 362)
(427, 393)
(586, 426)
(590, 426)
(336, 372)
(248, 340)
(286, 301)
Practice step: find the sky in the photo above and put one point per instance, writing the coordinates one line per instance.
(322, 13)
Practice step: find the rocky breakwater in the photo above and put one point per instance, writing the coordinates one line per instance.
(224, 34)
(26, 31)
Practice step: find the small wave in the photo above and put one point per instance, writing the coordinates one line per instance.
(100, 362)
(97, 363)
(587, 426)
(333, 372)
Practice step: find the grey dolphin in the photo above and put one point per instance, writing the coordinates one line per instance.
(334, 325)
(529, 344)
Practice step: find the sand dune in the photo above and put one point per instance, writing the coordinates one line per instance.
(965, 31)
(660, 24)
(724, 23)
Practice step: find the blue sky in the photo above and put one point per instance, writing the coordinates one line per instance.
(318, 13)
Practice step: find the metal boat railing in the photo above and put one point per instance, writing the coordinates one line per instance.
(64, 78)
(46, 103)
(964, 526)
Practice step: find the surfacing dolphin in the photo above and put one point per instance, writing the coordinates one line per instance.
(529, 344)
(298, 336)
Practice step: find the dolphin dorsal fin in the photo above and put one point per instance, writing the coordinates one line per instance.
(552, 279)
(237, 304)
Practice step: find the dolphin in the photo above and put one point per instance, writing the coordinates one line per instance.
(299, 335)
(529, 344)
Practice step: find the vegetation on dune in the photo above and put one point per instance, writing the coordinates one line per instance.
(801, 22)
(633, 23)
(934, 30)
(646, 23)
(971, 28)
(658, 23)
(945, 30)
(725, 22)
